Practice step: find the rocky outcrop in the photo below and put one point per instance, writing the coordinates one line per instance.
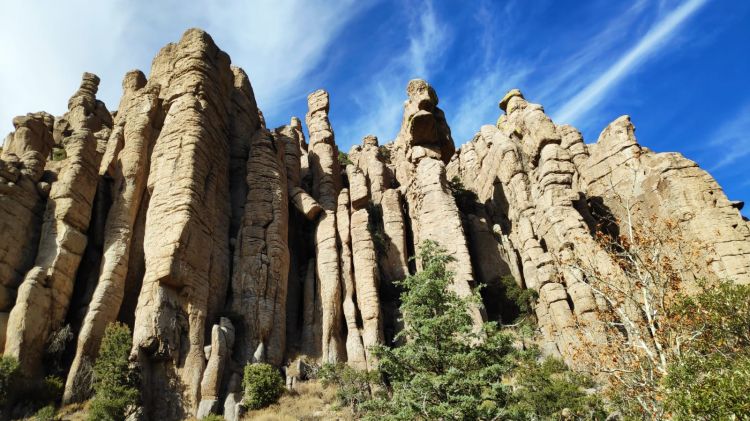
(45, 293)
(261, 261)
(628, 180)
(422, 148)
(326, 179)
(186, 240)
(221, 242)
(22, 198)
(129, 147)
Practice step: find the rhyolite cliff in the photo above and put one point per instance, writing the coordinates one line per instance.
(220, 241)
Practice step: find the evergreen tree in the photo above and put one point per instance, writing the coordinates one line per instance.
(447, 368)
(115, 383)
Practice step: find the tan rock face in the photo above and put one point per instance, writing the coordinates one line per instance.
(326, 176)
(45, 292)
(22, 198)
(667, 185)
(135, 131)
(261, 261)
(420, 169)
(221, 242)
(186, 243)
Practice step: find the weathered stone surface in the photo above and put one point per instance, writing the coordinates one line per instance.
(45, 293)
(222, 341)
(358, 193)
(22, 197)
(133, 135)
(261, 261)
(175, 211)
(625, 176)
(186, 240)
(326, 173)
(366, 282)
(394, 262)
(355, 351)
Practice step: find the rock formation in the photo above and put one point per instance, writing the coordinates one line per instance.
(221, 242)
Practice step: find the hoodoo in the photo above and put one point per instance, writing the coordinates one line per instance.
(221, 242)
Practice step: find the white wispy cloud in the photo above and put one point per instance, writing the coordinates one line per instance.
(732, 138)
(496, 72)
(381, 100)
(655, 38)
(48, 45)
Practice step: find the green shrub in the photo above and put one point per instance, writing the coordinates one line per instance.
(516, 302)
(212, 417)
(58, 154)
(263, 385)
(447, 368)
(344, 159)
(10, 377)
(115, 383)
(545, 388)
(45, 414)
(52, 389)
(353, 386)
(710, 377)
(376, 229)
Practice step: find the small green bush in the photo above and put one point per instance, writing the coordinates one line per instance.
(115, 383)
(212, 417)
(10, 376)
(353, 386)
(344, 159)
(263, 385)
(543, 389)
(52, 389)
(710, 378)
(58, 154)
(45, 414)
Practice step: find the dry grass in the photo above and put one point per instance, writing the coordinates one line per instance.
(73, 412)
(309, 401)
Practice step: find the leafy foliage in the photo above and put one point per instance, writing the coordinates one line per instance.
(516, 302)
(52, 389)
(376, 228)
(447, 368)
(10, 376)
(344, 159)
(263, 385)
(546, 389)
(58, 154)
(47, 413)
(115, 384)
(353, 387)
(711, 376)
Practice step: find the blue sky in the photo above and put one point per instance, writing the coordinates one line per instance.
(680, 69)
